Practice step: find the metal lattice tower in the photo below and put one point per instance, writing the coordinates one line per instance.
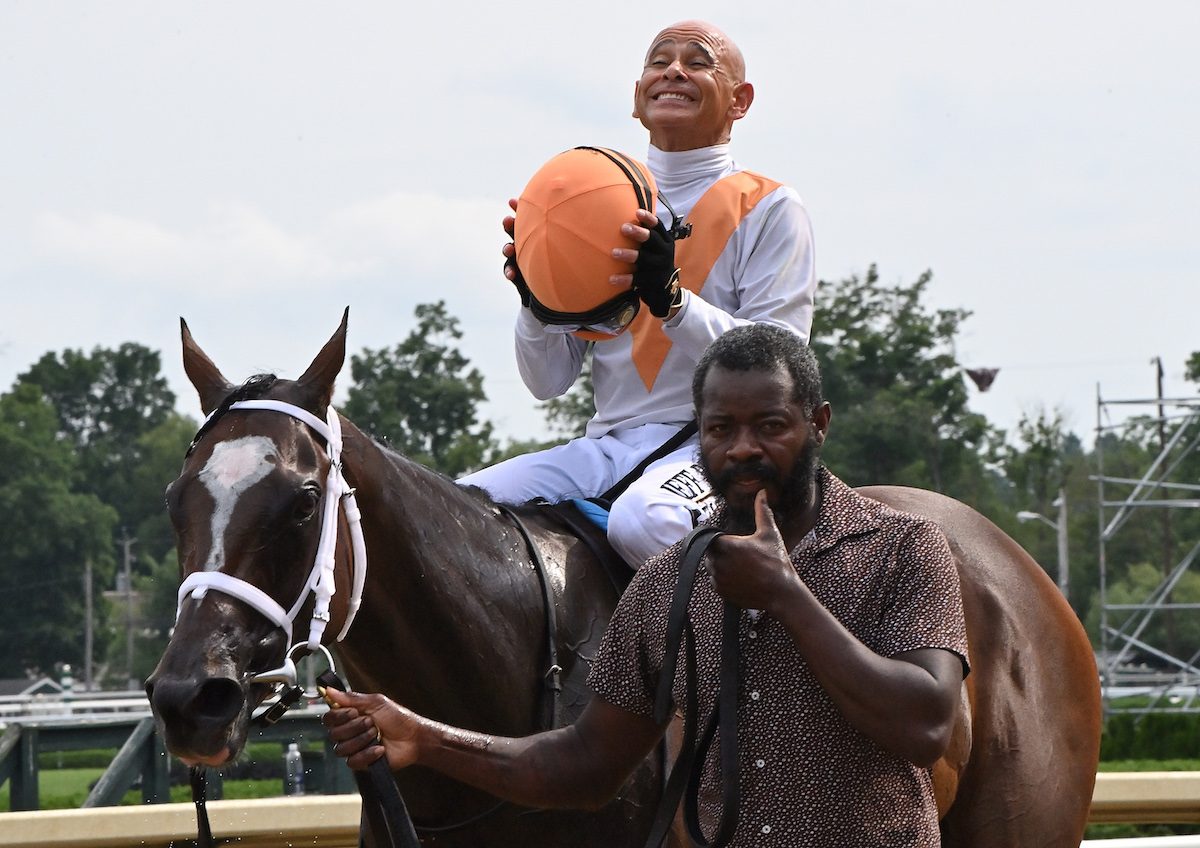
(1124, 503)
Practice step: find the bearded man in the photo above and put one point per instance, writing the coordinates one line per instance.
(850, 628)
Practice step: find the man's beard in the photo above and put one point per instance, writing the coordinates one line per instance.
(795, 490)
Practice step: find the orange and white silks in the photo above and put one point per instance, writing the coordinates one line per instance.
(714, 219)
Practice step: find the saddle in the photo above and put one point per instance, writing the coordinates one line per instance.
(588, 521)
(588, 518)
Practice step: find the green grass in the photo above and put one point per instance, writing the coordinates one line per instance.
(64, 777)
(1149, 765)
(66, 789)
(1118, 831)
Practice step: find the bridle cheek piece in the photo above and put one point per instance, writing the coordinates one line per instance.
(320, 583)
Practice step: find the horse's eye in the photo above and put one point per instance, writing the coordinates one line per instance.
(306, 503)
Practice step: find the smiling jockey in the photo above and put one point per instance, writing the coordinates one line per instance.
(749, 259)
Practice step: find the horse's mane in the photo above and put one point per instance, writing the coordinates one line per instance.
(252, 389)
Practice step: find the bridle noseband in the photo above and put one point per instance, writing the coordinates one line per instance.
(320, 583)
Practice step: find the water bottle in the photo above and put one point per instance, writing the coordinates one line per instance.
(293, 771)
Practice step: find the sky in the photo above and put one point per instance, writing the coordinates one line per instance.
(255, 168)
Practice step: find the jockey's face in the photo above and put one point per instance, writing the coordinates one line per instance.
(692, 87)
(754, 435)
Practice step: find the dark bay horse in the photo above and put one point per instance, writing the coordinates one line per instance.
(453, 624)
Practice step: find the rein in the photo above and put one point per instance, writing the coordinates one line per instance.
(690, 766)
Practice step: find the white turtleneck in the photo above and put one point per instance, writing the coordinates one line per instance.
(683, 177)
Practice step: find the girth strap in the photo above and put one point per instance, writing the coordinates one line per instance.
(690, 765)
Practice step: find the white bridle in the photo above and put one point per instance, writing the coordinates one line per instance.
(320, 582)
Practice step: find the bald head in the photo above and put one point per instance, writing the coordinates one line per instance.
(693, 87)
(728, 53)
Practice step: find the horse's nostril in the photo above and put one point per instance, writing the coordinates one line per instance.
(217, 698)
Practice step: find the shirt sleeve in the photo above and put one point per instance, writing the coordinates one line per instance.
(924, 607)
(770, 264)
(549, 363)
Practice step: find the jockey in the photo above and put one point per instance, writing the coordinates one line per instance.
(749, 259)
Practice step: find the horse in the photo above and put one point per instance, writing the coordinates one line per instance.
(460, 622)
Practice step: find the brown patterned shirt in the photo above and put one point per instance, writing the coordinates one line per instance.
(807, 777)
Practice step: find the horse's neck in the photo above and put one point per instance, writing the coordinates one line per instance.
(449, 590)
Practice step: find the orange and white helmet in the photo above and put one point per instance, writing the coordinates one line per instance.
(568, 221)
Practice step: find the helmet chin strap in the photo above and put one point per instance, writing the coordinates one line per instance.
(321, 581)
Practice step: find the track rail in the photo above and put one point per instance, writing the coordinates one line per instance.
(332, 821)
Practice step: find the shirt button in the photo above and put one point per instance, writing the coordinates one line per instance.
(766, 828)
(753, 634)
(759, 763)
(754, 695)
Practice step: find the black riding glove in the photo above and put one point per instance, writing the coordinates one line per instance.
(655, 277)
(518, 280)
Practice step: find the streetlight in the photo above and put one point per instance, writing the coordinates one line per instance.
(1061, 527)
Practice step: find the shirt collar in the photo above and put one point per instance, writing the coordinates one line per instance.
(843, 512)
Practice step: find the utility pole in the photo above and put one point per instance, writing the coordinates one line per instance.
(90, 624)
(128, 543)
(1165, 494)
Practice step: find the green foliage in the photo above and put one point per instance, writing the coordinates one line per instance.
(92, 758)
(1153, 736)
(48, 534)
(899, 402)
(158, 458)
(158, 591)
(421, 398)
(1192, 371)
(108, 401)
(1039, 464)
(1134, 587)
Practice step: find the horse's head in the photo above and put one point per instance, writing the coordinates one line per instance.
(247, 513)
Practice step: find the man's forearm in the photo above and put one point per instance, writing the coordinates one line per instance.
(546, 770)
(580, 766)
(906, 707)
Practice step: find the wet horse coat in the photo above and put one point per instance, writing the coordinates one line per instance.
(452, 625)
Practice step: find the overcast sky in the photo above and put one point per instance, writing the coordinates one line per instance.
(256, 167)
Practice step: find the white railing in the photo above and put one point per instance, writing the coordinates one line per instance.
(16, 707)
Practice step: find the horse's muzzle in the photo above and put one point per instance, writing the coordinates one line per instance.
(196, 716)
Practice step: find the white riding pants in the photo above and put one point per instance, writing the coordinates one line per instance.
(657, 510)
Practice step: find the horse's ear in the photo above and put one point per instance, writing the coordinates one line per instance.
(210, 383)
(321, 374)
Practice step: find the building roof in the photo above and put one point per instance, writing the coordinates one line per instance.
(29, 686)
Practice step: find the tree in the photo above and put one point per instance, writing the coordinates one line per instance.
(157, 592)
(48, 535)
(1193, 367)
(1041, 461)
(159, 456)
(899, 401)
(107, 402)
(421, 398)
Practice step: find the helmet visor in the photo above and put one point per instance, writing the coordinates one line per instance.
(610, 318)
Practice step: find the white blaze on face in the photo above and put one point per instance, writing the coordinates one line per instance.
(233, 468)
